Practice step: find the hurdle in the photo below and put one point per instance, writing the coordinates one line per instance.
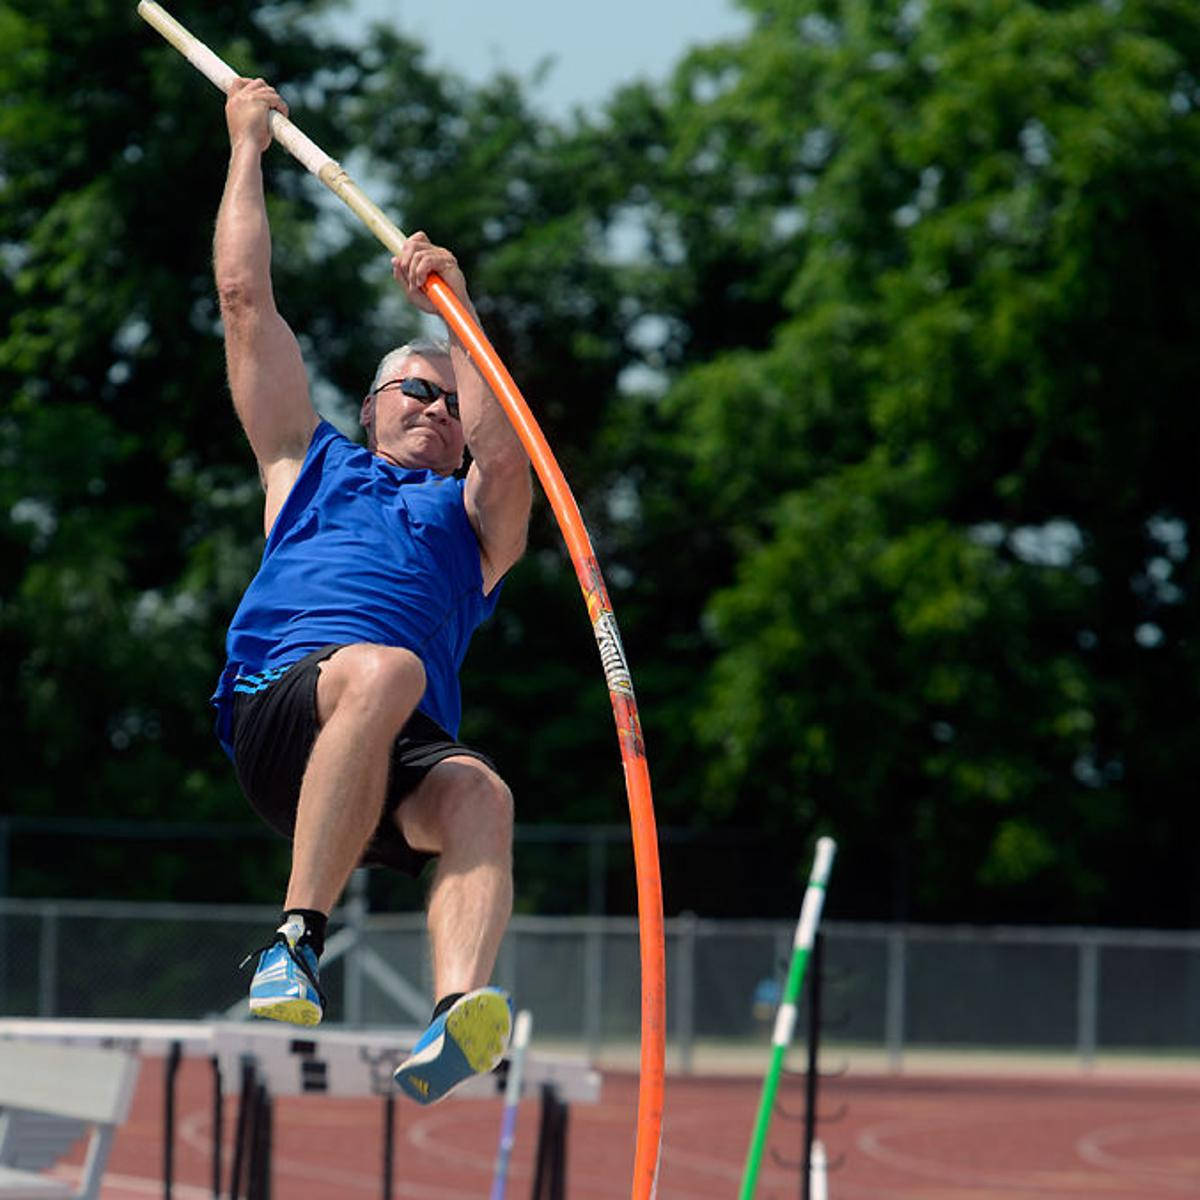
(263, 1060)
(785, 1018)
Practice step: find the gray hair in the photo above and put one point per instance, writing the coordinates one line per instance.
(426, 347)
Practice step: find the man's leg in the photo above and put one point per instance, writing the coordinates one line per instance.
(364, 695)
(463, 812)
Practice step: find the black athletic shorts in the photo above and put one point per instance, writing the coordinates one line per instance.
(273, 733)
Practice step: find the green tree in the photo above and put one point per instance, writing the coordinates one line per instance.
(867, 345)
(124, 558)
(959, 482)
(132, 513)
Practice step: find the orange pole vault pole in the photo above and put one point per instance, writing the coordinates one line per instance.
(604, 625)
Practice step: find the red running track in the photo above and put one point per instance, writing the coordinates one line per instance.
(898, 1138)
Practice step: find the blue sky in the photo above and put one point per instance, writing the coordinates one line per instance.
(596, 46)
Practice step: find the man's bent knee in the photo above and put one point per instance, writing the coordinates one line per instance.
(486, 791)
(380, 682)
(460, 799)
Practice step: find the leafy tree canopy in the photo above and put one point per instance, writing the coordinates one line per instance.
(867, 343)
(958, 484)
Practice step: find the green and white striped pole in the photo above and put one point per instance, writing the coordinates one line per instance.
(785, 1018)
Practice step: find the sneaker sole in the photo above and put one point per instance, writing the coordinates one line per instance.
(481, 1027)
(293, 1011)
(473, 1043)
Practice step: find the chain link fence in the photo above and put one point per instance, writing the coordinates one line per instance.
(887, 988)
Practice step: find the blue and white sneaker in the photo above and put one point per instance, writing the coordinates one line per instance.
(468, 1039)
(285, 986)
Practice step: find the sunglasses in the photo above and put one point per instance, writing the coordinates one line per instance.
(422, 390)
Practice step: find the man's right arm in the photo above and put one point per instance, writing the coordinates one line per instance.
(263, 360)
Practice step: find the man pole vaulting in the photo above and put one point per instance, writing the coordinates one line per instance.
(471, 378)
(339, 703)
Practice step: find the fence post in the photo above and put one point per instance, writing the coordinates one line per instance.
(685, 988)
(356, 919)
(506, 962)
(593, 983)
(48, 962)
(5, 854)
(1087, 1001)
(896, 986)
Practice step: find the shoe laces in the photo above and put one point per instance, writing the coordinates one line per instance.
(295, 956)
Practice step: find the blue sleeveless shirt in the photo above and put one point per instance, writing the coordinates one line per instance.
(361, 551)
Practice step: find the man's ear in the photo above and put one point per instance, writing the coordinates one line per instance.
(366, 414)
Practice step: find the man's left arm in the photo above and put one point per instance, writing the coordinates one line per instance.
(498, 492)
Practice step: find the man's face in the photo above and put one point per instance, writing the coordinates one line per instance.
(408, 430)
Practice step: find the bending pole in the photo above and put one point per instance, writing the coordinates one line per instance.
(587, 570)
(785, 1018)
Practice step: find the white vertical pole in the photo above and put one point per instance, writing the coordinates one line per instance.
(818, 1176)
